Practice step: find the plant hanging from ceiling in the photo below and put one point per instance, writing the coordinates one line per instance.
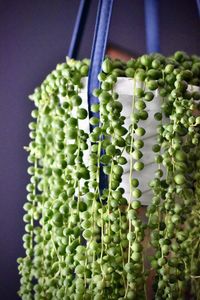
(84, 243)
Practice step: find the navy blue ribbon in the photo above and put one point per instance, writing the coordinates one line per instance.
(152, 25)
(98, 49)
(198, 6)
(79, 28)
(97, 56)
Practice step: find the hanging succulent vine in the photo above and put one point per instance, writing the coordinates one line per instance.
(81, 243)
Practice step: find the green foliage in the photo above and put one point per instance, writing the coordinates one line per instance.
(83, 244)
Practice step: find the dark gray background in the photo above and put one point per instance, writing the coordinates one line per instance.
(34, 37)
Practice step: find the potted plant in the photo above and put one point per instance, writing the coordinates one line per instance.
(87, 242)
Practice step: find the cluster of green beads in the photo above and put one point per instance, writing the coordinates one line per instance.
(83, 243)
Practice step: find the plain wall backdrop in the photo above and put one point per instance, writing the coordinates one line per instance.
(34, 37)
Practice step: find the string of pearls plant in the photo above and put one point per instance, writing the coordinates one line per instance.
(83, 244)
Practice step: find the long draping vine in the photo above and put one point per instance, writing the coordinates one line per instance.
(83, 244)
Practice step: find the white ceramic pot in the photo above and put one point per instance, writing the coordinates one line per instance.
(125, 88)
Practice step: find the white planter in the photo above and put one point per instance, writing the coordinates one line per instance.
(125, 88)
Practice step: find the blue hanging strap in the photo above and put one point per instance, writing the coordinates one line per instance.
(152, 25)
(97, 56)
(98, 49)
(198, 6)
(79, 28)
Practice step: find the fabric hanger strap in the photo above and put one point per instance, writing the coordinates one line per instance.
(152, 25)
(79, 28)
(97, 55)
(98, 48)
